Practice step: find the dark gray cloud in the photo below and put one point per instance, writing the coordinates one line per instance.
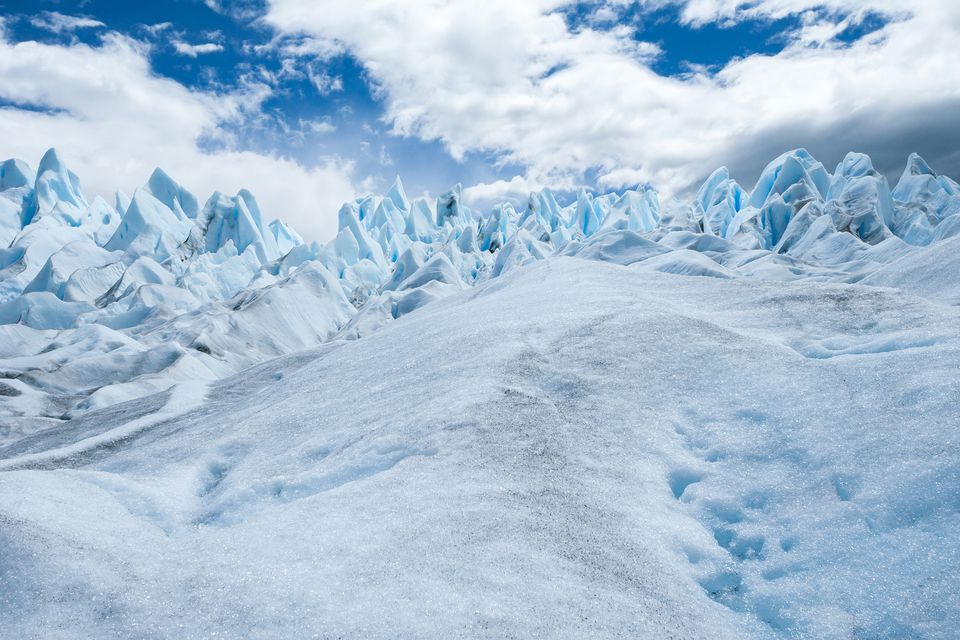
(888, 136)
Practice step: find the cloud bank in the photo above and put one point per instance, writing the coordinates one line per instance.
(515, 79)
(114, 120)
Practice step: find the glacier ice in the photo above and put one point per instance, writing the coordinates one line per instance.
(724, 417)
(574, 449)
(151, 261)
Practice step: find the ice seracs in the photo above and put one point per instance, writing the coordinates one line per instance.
(149, 228)
(56, 193)
(238, 219)
(162, 187)
(158, 268)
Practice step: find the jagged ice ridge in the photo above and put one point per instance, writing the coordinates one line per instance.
(101, 303)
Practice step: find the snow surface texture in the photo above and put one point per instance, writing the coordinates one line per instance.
(730, 418)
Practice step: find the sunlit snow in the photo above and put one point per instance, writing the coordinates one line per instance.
(732, 417)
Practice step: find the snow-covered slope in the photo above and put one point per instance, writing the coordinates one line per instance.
(734, 417)
(576, 449)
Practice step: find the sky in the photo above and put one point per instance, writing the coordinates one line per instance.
(309, 104)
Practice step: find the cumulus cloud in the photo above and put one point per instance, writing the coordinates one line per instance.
(513, 78)
(113, 121)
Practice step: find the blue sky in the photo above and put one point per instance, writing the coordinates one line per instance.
(301, 113)
(350, 94)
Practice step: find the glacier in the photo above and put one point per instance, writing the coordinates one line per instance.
(725, 417)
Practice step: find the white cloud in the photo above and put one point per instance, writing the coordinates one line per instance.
(322, 81)
(113, 121)
(516, 189)
(320, 126)
(319, 48)
(512, 78)
(193, 50)
(384, 158)
(706, 11)
(158, 28)
(236, 9)
(603, 13)
(61, 23)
